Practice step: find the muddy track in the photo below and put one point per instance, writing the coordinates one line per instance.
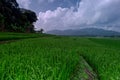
(83, 71)
(9, 41)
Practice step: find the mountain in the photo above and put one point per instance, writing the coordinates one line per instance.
(85, 32)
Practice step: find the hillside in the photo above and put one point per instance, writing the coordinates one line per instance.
(85, 32)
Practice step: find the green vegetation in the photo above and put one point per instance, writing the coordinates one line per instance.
(36, 59)
(56, 58)
(15, 36)
(16, 19)
(83, 71)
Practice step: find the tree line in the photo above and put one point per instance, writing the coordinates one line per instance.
(16, 19)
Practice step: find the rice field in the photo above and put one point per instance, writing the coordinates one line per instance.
(55, 58)
(5, 36)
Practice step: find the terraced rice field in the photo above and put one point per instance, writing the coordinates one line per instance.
(56, 58)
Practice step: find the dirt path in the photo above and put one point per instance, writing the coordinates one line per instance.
(8, 41)
(83, 71)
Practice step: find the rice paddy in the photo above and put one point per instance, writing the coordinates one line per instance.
(56, 58)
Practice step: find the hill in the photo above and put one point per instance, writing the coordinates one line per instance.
(85, 32)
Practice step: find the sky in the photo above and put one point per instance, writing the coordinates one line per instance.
(75, 14)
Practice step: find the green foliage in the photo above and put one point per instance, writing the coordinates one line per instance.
(16, 36)
(31, 16)
(39, 62)
(15, 18)
(55, 58)
(1, 19)
(40, 31)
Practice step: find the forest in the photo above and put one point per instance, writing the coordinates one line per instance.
(16, 19)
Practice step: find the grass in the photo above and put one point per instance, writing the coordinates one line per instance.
(5, 36)
(55, 58)
(83, 71)
(43, 61)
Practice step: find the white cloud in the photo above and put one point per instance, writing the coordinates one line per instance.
(52, 18)
(100, 13)
(24, 3)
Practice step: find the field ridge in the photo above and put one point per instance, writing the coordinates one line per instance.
(83, 71)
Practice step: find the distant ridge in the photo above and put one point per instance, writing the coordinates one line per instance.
(85, 32)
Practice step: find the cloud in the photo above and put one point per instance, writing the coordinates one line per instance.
(52, 19)
(90, 13)
(41, 1)
(50, 0)
(24, 3)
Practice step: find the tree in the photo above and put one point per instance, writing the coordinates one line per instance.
(40, 31)
(15, 18)
(1, 22)
(31, 16)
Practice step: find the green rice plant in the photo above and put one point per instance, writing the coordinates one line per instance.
(55, 58)
(5, 36)
(23, 61)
